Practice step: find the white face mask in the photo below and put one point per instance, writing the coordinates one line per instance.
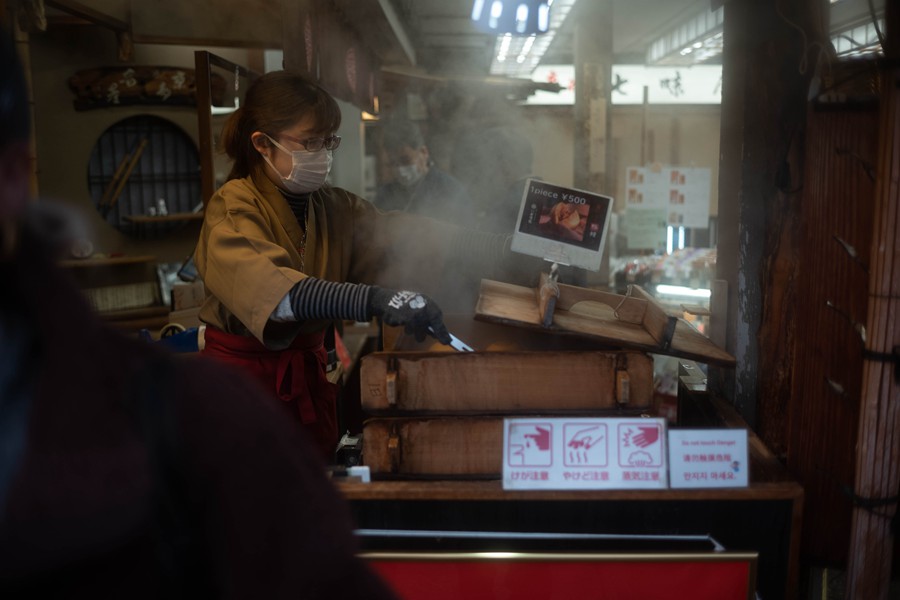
(409, 175)
(309, 169)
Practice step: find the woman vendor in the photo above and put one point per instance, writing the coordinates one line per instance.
(283, 255)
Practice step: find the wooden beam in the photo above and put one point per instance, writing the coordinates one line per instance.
(380, 29)
(79, 12)
(248, 24)
(878, 447)
(203, 63)
(82, 11)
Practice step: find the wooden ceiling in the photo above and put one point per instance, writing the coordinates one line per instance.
(435, 37)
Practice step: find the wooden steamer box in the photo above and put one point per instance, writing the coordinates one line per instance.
(506, 382)
(441, 415)
(436, 413)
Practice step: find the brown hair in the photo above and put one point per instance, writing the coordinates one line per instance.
(274, 102)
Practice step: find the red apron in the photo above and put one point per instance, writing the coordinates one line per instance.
(296, 374)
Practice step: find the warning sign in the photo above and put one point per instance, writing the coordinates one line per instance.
(708, 458)
(529, 445)
(585, 445)
(584, 454)
(640, 444)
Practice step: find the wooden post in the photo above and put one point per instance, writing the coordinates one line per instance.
(593, 72)
(764, 105)
(878, 448)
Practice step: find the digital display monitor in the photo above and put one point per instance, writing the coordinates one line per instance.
(562, 225)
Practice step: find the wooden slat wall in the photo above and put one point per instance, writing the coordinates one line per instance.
(836, 204)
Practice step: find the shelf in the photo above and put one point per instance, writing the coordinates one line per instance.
(697, 310)
(106, 262)
(130, 314)
(164, 218)
(153, 318)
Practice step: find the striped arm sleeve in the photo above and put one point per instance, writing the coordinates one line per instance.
(313, 298)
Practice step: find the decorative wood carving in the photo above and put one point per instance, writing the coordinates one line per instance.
(143, 85)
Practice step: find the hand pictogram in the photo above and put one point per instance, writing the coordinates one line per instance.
(647, 436)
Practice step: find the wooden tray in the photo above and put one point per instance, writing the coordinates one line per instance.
(641, 323)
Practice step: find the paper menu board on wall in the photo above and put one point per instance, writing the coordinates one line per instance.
(682, 193)
(645, 188)
(646, 207)
(646, 228)
(688, 193)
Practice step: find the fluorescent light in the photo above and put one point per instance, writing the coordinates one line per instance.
(521, 18)
(680, 290)
(547, 20)
(477, 7)
(676, 47)
(526, 48)
(544, 17)
(504, 47)
(496, 13)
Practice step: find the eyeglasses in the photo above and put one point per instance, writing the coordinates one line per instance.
(316, 144)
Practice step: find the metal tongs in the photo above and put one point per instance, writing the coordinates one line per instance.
(456, 343)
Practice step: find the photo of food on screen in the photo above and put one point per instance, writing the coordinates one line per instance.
(579, 222)
(565, 220)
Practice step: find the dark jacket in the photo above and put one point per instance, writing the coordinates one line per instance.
(149, 475)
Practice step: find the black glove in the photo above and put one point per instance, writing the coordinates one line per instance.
(417, 312)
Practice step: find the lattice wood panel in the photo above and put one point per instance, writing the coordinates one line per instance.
(832, 251)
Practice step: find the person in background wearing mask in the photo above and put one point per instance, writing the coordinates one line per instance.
(418, 186)
(126, 472)
(283, 255)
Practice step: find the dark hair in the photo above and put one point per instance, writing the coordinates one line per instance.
(401, 132)
(15, 124)
(274, 102)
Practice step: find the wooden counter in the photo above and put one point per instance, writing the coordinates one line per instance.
(763, 518)
(493, 490)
